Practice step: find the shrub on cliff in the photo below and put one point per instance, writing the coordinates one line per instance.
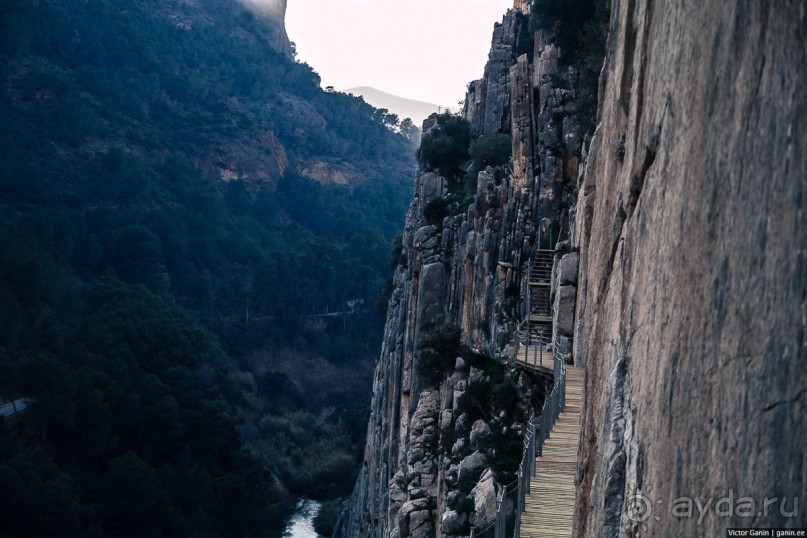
(438, 355)
(436, 210)
(445, 146)
(397, 256)
(491, 150)
(477, 400)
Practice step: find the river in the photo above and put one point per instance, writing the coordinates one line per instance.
(301, 523)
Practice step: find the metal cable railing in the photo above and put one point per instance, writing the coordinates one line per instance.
(532, 343)
(534, 439)
(535, 339)
(537, 432)
(497, 528)
(534, 332)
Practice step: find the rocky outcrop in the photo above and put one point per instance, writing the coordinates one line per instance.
(275, 12)
(331, 174)
(487, 105)
(692, 295)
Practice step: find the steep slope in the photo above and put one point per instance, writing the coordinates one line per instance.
(187, 222)
(691, 224)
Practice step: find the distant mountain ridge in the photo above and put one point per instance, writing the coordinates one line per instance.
(417, 111)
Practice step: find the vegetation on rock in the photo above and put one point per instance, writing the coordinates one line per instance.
(491, 150)
(444, 147)
(581, 29)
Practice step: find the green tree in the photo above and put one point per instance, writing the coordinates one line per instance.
(444, 147)
(491, 150)
(37, 500)
(135, 504)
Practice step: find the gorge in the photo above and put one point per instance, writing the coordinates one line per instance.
(591, 322)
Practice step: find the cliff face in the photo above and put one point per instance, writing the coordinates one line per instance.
(275, 11)
(468, 271)
(689, 307)
(692, 227)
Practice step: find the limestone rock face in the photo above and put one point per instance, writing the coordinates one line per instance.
(692, 230)
(330, 174)
(487, 106)
(275, 11)
(523, 122)
(468, 271)
(484, 495)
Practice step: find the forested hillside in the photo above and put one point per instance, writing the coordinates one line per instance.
(193, 240)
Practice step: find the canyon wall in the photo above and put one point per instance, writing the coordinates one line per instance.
(431, 467)
(693, 236)
(686, 213)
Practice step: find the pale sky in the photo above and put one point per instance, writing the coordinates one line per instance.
(427, 50)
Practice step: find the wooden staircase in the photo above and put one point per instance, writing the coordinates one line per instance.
(549, 506)
(536, 330)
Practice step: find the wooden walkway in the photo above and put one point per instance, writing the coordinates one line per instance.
(549, 507)
(538, 356)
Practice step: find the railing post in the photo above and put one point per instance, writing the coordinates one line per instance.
(529, 292)
(563, 392)
(501, 522)
(519, 500)
(532, 445)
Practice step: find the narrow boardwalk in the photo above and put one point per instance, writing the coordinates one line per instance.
(549, 507)
(536, 355)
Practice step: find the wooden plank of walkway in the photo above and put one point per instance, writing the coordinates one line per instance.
(532, 356)
(549, 507)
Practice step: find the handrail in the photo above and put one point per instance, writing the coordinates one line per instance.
(499, 521)
(527, 333)
(538, 430)
(527, 339)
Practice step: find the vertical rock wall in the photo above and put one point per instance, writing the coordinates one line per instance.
(275, 11)
(693, 289)
(487, 105)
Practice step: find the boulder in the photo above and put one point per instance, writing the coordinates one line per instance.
(484, 495)
(471, 467)
(454, 522)
(564, 310)
(414, 519)
(459, 447)
(461, 365)
(567, 269)
(479, 431)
